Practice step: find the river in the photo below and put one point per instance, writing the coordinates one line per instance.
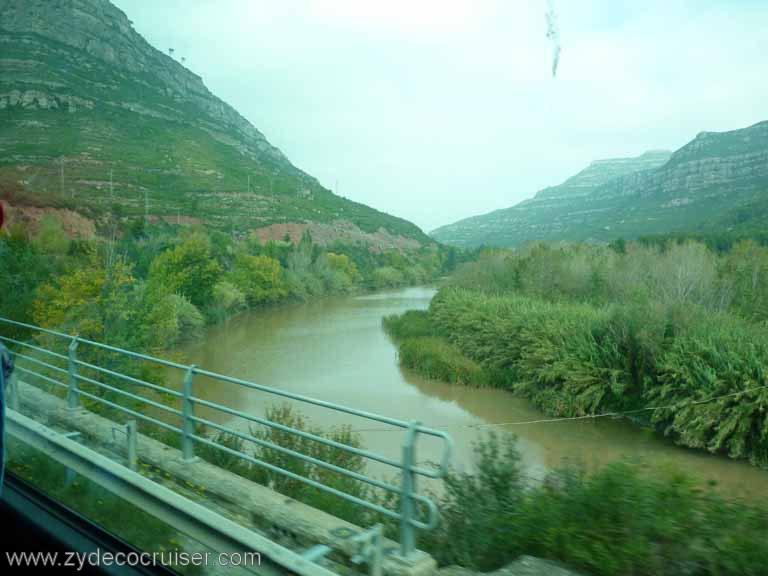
(334, 349)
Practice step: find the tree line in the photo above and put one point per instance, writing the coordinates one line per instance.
(587, 329)
(150, 288)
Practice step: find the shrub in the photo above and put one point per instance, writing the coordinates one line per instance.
(387, 277)
(411, 324)
(259, 278)
(227, 300)
(479, 510)
(622, 519)
(174, 319)
(285, 415)
(437, 359)
(720, 356)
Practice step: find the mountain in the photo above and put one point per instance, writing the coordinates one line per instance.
(713, 177)
(93, 118)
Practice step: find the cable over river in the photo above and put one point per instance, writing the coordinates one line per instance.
(335, 349)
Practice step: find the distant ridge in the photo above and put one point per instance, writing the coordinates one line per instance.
(656, 192)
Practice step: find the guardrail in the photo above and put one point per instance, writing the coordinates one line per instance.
(73, 364)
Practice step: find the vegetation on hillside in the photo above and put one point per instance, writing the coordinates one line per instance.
(747, 222)
(99, 130)
(132, 142)
(149, 289)
(584, 330)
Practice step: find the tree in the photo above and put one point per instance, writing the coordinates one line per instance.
(259, 278)
(227, 300)
(342, 263)
(685, 274)
(188, 270)
(387, 277)
(88, 301)
(171, 320)
(24, 268)
(51, 237)
(745, 274)
(300, 271)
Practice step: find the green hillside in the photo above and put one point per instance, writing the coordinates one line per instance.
(90, 101)
(712, 178)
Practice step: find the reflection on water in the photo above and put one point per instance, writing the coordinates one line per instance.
(334, 349)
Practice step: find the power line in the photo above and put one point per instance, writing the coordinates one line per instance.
(623, 414)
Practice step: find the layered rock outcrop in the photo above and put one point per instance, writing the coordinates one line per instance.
(653, 193)
(102, 31)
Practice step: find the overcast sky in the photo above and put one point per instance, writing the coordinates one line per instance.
(435, 110)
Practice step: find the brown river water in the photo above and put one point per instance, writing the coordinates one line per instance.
(334, 349)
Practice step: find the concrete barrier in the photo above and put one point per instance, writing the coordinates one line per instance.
(256, 506)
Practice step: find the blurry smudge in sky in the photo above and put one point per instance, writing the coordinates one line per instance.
(553, 35)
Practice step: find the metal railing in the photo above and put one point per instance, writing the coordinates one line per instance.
(76, 367)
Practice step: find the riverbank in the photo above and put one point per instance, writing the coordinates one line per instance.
(694, 373)
(575, 361)
(334, 349)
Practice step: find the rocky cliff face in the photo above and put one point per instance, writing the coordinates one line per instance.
(600, 172)
(653, 193)
(93, 116)
(103, 32)
(712, 163)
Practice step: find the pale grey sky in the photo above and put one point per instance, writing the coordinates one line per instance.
(435, 110)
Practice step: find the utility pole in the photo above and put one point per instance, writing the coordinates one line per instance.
(146, 208)
(113, 231)
(249, 183)
(61, 175)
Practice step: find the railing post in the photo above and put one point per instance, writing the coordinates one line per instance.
(188, 412)
(407, 502)
(371, 550)
(130, 430)
(13, 389)
(70, 475)
(73, 395)
(13, 392)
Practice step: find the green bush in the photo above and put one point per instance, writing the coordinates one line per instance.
(437, 359)
(557, 354)
(285, 415)
(411, 324)
(719, 357)
(623, 519)
(479, 510)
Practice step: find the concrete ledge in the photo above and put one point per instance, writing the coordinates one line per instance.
(266, 509)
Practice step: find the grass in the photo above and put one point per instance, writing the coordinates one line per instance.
(431, 356)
